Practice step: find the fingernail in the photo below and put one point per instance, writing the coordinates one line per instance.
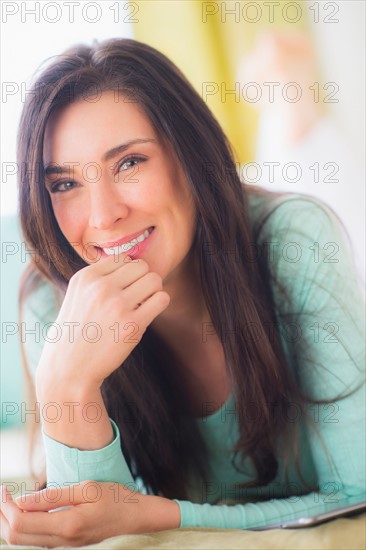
(23, 498)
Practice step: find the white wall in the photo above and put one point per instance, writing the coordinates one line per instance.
(29, 36)
(339, 138)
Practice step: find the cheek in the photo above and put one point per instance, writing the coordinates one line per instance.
(187, 211)
(70, 221)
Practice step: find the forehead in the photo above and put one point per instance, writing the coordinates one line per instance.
(85, 129)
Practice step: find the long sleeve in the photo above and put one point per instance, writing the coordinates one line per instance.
(67, 465)
(325, 347)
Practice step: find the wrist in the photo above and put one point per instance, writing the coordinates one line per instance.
(71, 412)
(162, 514)
(55, 383)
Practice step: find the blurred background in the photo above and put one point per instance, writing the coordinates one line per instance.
(285, 80)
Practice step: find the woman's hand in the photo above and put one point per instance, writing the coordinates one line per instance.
(106, 310)
(96, 511)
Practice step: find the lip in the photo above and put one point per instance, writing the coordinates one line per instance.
(136, 250)
(112, 244)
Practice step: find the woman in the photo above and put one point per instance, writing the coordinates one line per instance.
(209, 346)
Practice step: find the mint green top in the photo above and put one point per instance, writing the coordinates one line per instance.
(311, 257)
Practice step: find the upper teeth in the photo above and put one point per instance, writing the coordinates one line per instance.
(127, 246)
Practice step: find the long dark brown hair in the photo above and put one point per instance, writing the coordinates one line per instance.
(161, 442)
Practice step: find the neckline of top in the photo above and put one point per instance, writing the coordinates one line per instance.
(211, 418)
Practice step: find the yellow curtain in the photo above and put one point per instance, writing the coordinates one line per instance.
(207, 40)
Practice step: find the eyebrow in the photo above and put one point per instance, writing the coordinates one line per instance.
(53, 169)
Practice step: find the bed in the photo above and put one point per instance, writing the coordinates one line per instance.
(340, 534)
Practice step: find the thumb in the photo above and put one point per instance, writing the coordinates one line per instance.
(57, 497)
(6, 496)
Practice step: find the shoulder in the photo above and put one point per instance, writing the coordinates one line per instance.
(307, 247)
(317, 292)
(272, 213)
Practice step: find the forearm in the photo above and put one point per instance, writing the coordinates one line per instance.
(82, 444)
(259, 514)
(72, 412)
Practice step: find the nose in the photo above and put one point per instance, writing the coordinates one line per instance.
(106, 206)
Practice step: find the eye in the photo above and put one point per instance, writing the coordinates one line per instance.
(63, 186)
(128, 163)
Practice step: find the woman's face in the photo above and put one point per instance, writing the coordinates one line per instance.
(111, 180)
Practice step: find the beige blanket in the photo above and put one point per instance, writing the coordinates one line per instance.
(339, 534)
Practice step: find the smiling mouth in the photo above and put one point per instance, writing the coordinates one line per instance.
(125, 247)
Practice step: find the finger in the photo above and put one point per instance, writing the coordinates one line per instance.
(110, 264)
(130, 274)
(14, 536)
(104, 268)
(153, 306)
(58, 497)
(142, 289)
(22, 523)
